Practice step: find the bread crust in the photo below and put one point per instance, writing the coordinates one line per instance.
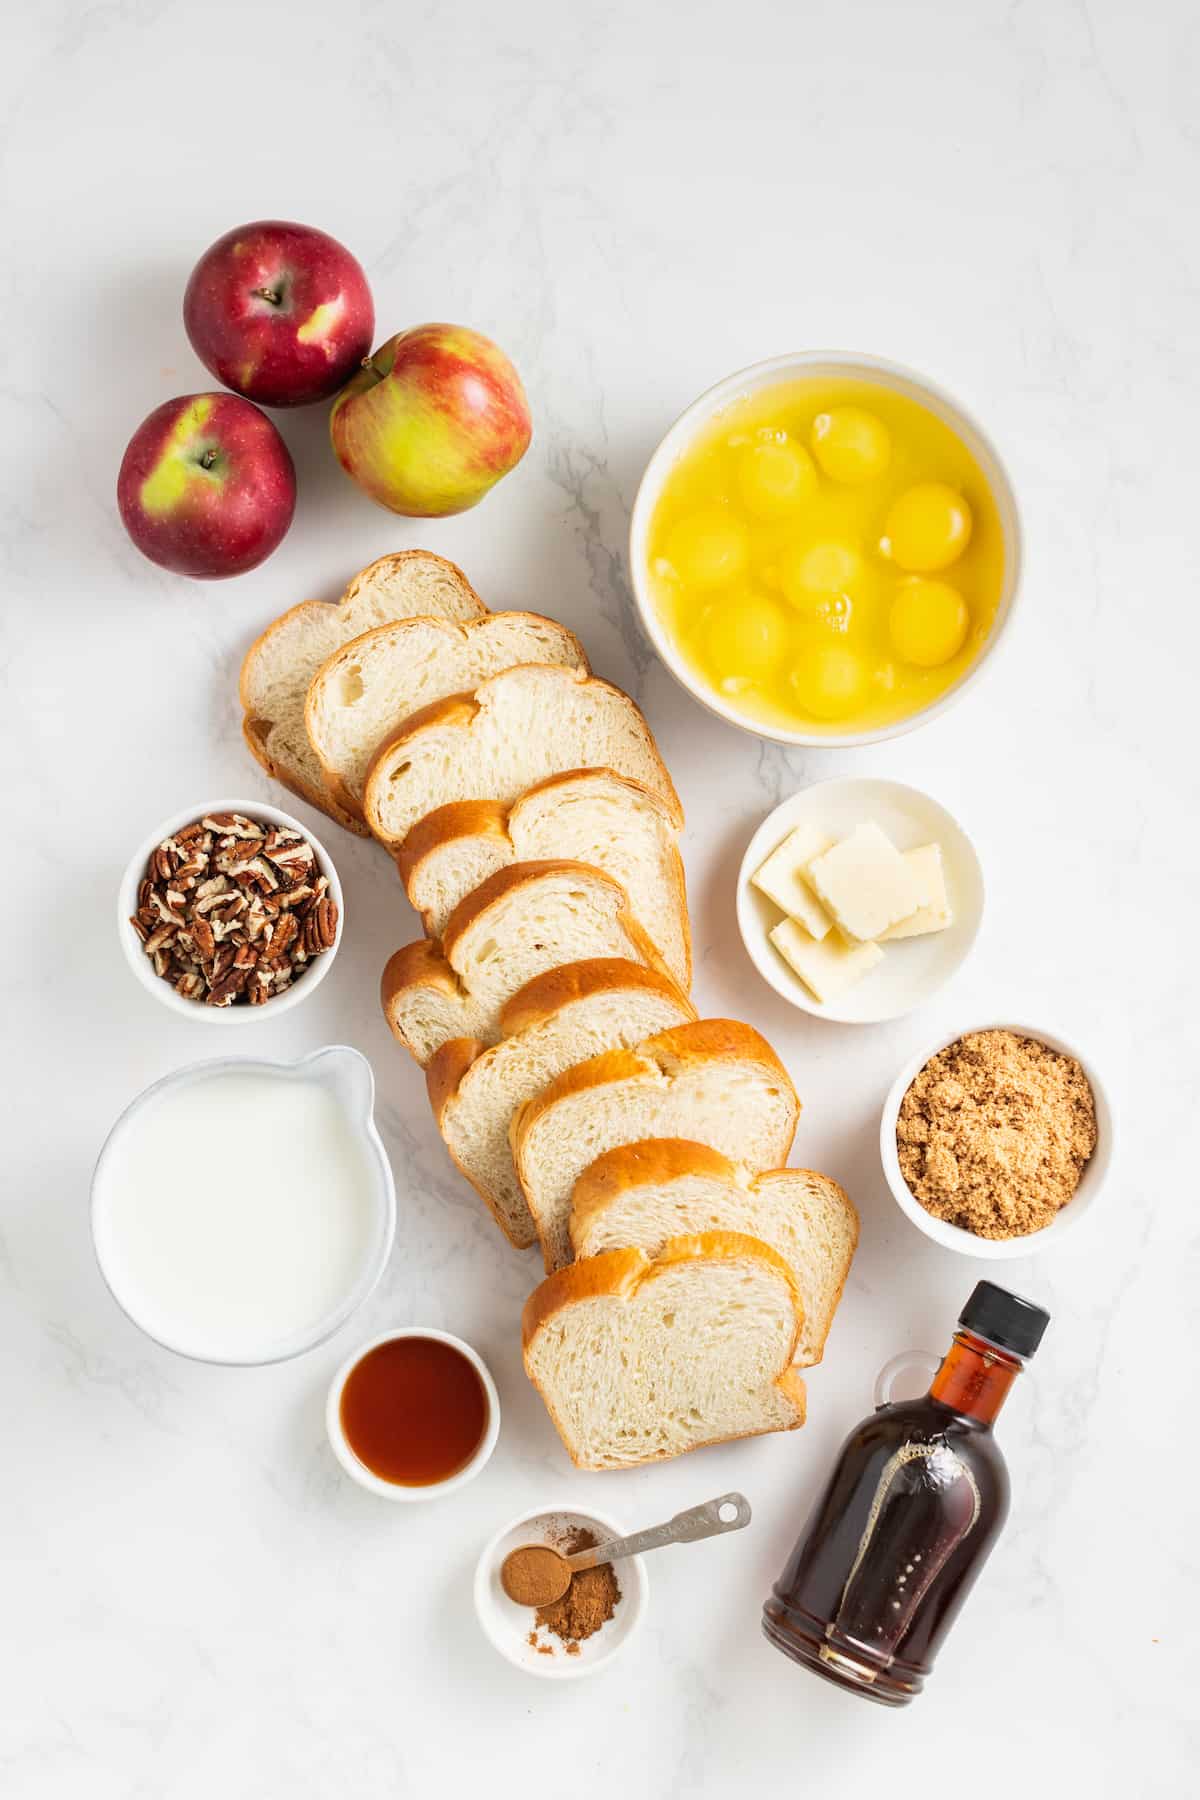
(668, 1051)
(621, 1273)
(549, 992)
(445, 1069)
(618, 1274)
(458, 711)
(649, 1163)
(457, 819)
(395, 559)
(856, 1225)
(362, 645)
(295, 784)
(419, 964)
(443, 1073)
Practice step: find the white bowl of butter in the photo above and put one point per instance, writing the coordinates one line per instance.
(882, 980)
(242, 1210)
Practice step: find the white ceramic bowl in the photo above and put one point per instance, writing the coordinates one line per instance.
(394, 1490)
(507, 1626)
(347, 1074)
(912, 969)
(952, 1237)
(820, 365)
(143, 968)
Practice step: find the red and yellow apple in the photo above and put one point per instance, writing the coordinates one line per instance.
(280, 313)
(207, 487)
(431, 421)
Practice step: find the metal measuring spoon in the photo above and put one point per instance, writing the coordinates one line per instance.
(551, 1570)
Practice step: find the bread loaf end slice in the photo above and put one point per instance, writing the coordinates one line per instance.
(639, 1358)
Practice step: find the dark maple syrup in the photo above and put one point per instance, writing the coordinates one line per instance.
(414, 1411)
(915, 1502)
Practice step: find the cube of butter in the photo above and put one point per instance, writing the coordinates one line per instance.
(934, 912)
(782, 878)
(865, 883)
(827, 968)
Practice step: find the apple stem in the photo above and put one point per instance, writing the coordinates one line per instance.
(208, 458)
(272, 295)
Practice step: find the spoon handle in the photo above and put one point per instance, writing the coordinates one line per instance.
(685, 1528)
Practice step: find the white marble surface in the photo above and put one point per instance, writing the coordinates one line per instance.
(634, 200)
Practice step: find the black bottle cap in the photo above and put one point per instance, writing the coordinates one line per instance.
(1004, 1319)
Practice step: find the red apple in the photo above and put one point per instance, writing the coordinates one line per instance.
(207, 486)
(280, 313)
(431, 421)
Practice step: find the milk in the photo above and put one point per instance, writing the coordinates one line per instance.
(234, 1212)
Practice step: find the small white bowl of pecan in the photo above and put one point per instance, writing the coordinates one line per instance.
(230, 911)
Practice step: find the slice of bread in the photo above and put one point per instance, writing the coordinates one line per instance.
(590, 815)
(512, 732)
(522, 921)
(281, 663)
(716, 1082)
(640, 1359)
(554, 1021)
(368, 687)
(641, 1195)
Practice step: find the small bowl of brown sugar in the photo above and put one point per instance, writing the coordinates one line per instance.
(584, 1629)
(996, 1141)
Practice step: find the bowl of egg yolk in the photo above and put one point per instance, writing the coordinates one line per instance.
(825, 549)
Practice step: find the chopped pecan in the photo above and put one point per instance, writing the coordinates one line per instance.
(232, 825)
(202, 935)
(230, 911)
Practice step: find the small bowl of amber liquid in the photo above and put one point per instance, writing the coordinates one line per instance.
(413, 1415)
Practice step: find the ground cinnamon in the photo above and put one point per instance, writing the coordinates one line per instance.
(532, 1575)
(588, 1603)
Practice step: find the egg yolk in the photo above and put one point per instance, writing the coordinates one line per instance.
(927, 623)
(708, 548)
(829, 681)
(927, 528)
(774, 479)
(745, 638)
(851, 444)
(825, 568)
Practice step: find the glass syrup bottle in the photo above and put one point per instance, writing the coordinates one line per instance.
(916, 1501)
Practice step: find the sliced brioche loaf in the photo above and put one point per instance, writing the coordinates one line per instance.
(281, 663)
(716, 1082)
(641, 1195)
(369, 686)
(554, 1021)
(640, 1359)
(512, 732)
(522, 921)
(590, 815)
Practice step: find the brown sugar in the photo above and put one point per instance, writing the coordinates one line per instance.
(995, 1132)
(588, 1603)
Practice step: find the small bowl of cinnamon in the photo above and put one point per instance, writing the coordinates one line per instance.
(584, 1629)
